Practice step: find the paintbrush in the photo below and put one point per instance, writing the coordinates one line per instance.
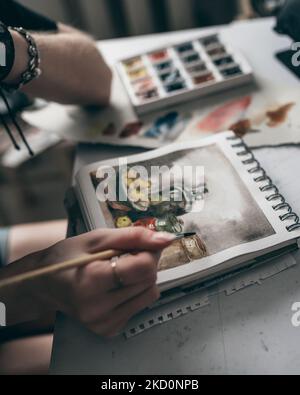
(71, 264)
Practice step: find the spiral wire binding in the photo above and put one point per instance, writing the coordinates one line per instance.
(275, 195)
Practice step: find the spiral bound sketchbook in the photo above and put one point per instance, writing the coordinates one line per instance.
(238, 215)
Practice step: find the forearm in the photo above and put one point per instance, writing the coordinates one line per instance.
(73, 71)
(22, 302)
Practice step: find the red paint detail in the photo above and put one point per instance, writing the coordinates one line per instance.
(221, 118)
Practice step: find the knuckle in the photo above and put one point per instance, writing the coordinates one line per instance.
(76, 294)
(146, 300)
(146, 265)
(91, 313)
(137, 234)
(95, 234)
(117, 329)
(94, 275)
(154, 294)
(110, 334)
(84, 316)
(96, 329)
(152, 278)
(91, 272)
(141, 235)
(105, 329)
(93, 239)
(86, 313)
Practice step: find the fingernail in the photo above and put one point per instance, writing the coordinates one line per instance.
(163, 237)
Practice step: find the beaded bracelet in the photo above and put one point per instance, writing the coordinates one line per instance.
(33, 71)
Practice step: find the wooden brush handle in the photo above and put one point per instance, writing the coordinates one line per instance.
(58, 267)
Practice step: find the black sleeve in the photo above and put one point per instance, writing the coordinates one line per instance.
(15, 14)
(288, 21)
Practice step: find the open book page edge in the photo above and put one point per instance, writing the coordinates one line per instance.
(281, 237)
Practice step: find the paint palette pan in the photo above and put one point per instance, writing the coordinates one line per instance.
(184, 71)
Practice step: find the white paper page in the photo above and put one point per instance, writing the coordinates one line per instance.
(117, 124)
(266, 116)
(237, 220)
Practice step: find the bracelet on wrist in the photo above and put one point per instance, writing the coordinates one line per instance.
(33, 70)
(7, 61)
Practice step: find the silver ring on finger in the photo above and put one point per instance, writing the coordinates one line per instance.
(117, 278)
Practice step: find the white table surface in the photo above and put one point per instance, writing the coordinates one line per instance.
(249, 332)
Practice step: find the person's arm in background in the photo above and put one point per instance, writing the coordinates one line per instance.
(73, 70)
(288, 19)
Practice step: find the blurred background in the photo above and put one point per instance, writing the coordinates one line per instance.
(115, 18)
(26, 192)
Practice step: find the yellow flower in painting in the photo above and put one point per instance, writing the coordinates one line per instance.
(135, 195)
(129, 181)
(123, 222)
(139, 191)
(143, 184)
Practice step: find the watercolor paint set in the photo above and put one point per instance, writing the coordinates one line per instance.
(185, 71)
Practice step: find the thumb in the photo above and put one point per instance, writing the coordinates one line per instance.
(128, 239)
